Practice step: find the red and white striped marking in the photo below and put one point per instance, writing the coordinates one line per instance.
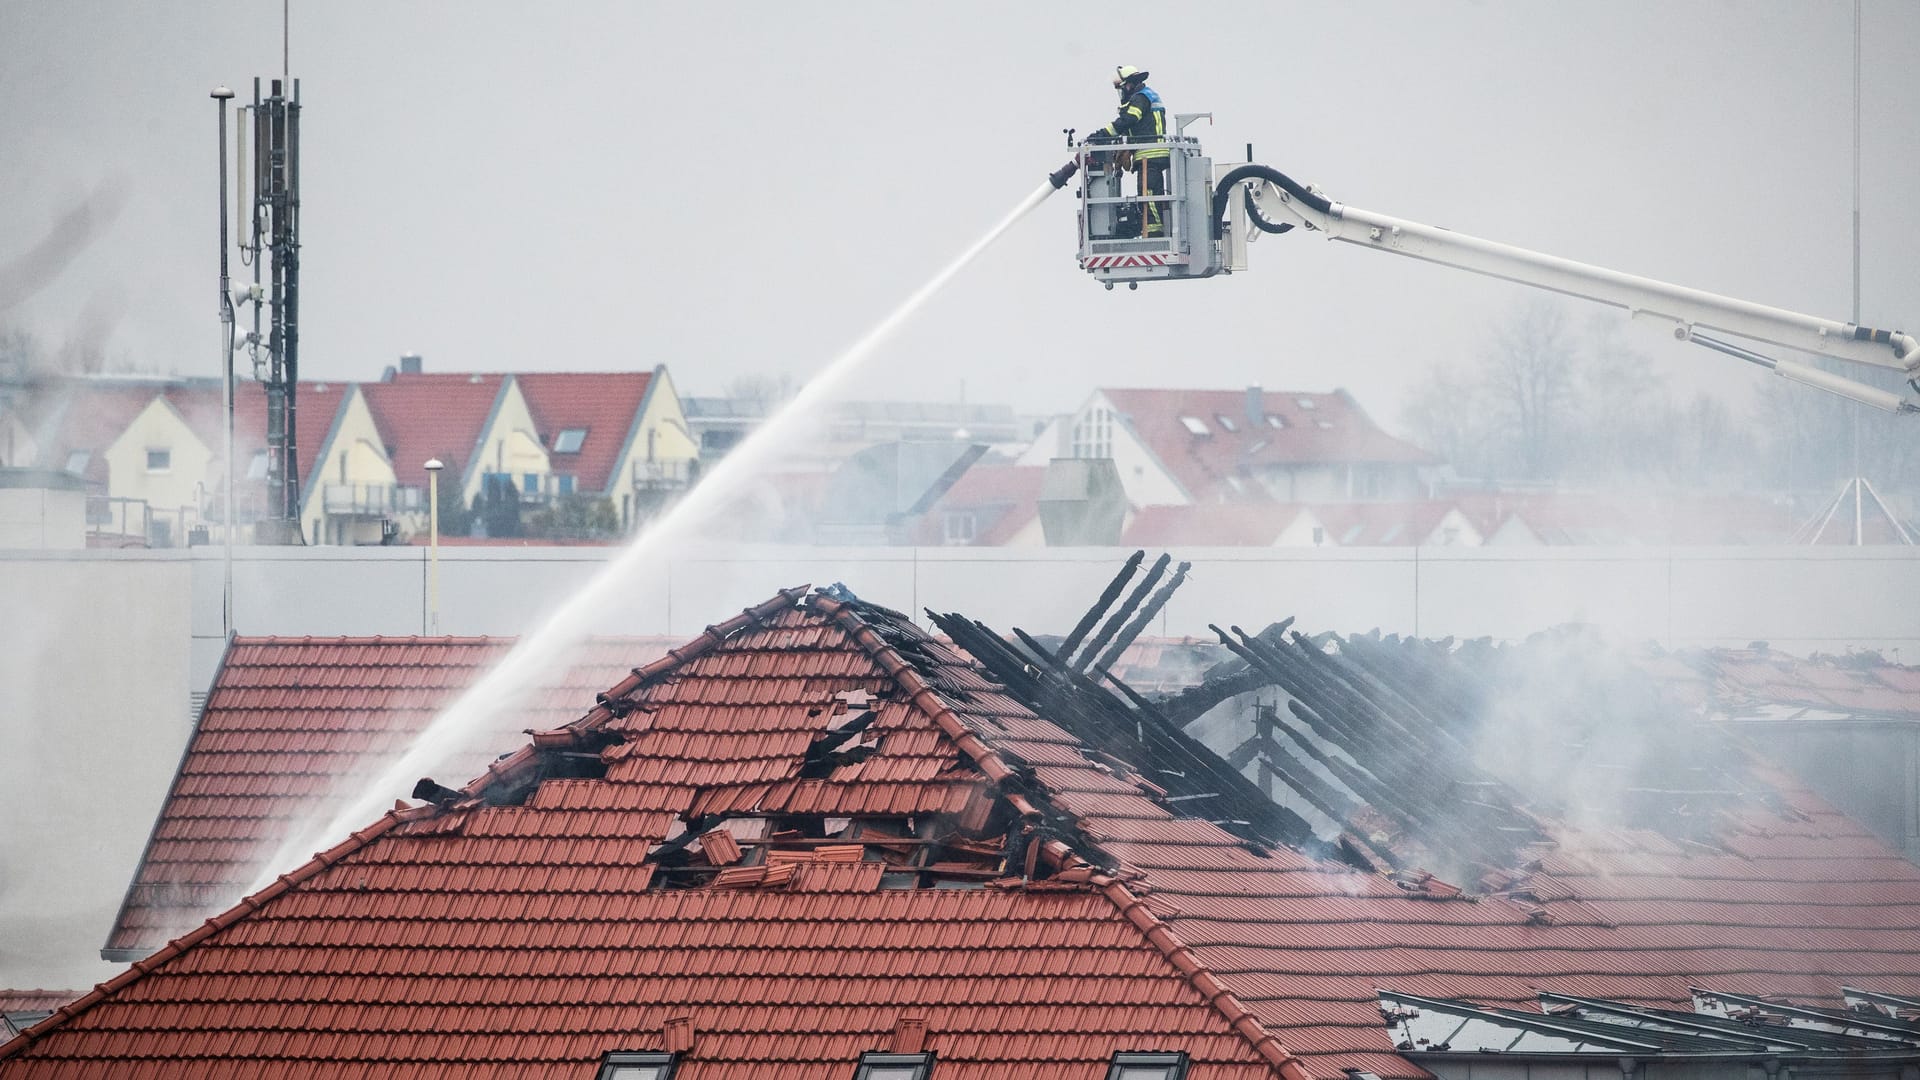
(1109, 262)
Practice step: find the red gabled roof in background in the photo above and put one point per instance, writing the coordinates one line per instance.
(1202, 463)
(98, 412)
(288, 727)
(432, 415)
(606, 404)
(529, 937)
(88, 415)
(1002, 498)
(316, 406)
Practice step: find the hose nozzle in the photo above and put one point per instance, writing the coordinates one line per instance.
(1061, 175)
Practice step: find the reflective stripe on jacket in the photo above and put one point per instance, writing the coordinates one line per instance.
(1142, 119)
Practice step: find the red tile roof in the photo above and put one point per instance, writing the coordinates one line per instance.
(1003, 500)
(287, 727)
(1331, 429)
(90, 415)
(546, 916)
(541, 921)
(429, 415)
(605, 404)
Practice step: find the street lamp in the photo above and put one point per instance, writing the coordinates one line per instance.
(221, 95)
(433, 467)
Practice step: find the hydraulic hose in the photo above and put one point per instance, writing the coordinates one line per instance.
(1261, 223)
(1260, 172)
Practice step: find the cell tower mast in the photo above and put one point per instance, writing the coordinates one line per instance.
(275, 234)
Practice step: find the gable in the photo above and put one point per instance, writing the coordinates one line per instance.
(784, 836)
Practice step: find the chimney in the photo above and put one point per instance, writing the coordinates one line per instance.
(410, 363)
(1256, 408)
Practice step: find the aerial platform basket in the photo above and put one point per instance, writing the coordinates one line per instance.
(1119, 240)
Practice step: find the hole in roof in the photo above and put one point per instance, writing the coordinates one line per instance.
(1195, 425)
(569, 441)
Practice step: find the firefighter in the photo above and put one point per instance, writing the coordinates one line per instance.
(1142, 119)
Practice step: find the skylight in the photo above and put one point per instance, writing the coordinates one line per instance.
(625, 1065)
(1274, 421)
(1324, 425)
(874, 1066)
(257, 468)
(1226, 422)
(77, 461)
(568, 441)
(1195, 425)
(1306, 403)
(1157, 1065)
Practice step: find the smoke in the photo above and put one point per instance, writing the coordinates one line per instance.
(90, 216)
(501, 690)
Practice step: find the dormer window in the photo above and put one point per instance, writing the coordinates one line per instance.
(628, 1065)
(570, 440)
(878, 1066)
(1195, 425)
(1154, 1065)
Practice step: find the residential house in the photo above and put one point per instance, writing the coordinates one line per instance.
(815, 841)
(990, 505)
(1177, 447)
(621, 435)
(153, 449)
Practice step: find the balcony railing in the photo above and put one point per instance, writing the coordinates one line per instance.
(662, 475)
(372, 500)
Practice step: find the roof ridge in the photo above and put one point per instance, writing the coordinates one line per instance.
(922, 694)
(1201, 977)
(247, 905)
(712, 636)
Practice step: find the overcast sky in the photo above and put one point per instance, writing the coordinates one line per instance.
(745, 188)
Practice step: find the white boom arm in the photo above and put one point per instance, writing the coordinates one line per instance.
(1689, 310)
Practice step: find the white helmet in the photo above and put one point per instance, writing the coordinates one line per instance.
(1126, 73)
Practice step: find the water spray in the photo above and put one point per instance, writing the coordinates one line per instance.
(536, 654)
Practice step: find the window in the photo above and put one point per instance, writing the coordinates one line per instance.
(1274, 421)
(257, 468)
(530, 482)
(77, 461)
(563, 483)
(875, 1066)
(159, 460)
(1306, 403)
(569, 441)
(1136, 1065)
(1093, 434)
(1324, 425)
(1195, 425)
(958, 527)
(1226, 423)
(626, 1065)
